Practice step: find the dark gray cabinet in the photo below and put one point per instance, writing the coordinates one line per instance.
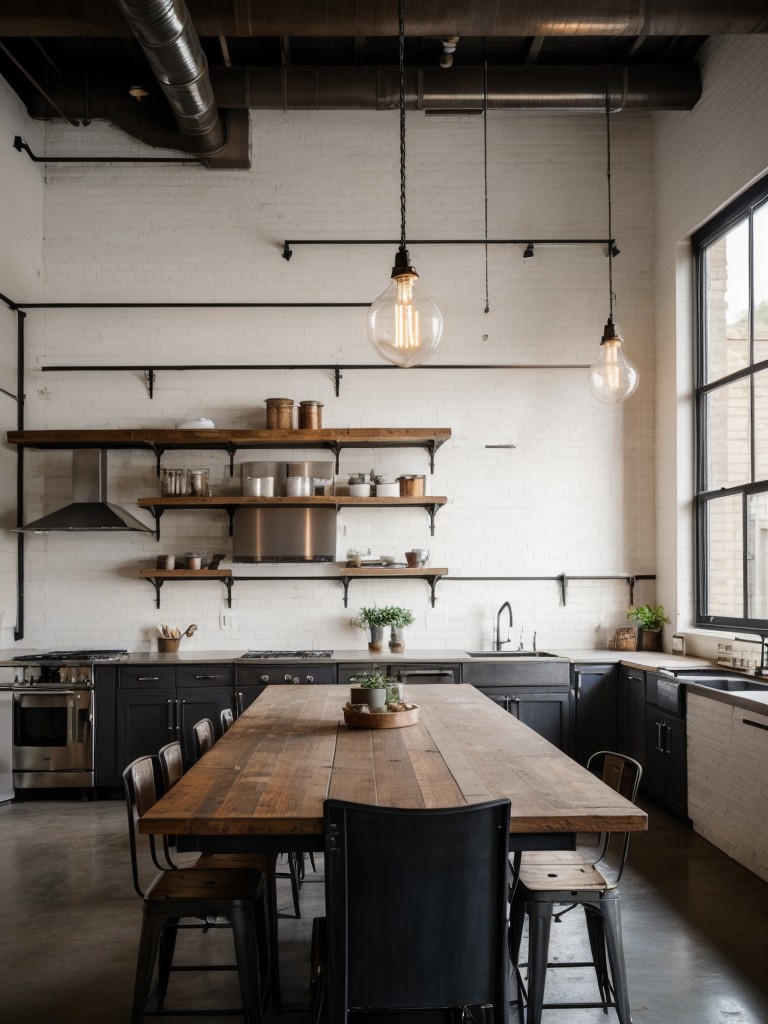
(631, 713)
(536, 693)
(594, 708)
(156, 704)
(104, 703)
(251, 679)
(665, 755)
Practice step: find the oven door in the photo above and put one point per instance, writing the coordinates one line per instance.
(53, 738)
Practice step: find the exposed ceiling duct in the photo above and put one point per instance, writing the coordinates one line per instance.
(175, 55)
(89, 510)
(248, 18)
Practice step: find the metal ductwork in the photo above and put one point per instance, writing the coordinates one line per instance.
(432, 89)
(165, 33)
(89, 510)
(327, 18)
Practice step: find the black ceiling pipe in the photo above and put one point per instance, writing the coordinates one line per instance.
(564, 88)
(493, 18)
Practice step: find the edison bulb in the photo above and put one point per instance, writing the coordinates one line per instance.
(404, 325)
(612, 377)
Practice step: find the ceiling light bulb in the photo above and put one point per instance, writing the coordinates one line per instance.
(404, 325)
(612, 377)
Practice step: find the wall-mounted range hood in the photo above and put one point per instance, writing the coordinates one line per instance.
(89, 509)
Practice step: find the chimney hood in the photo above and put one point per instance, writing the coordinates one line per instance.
(90, 509)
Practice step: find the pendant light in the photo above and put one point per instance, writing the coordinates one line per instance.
(404, 325)
(612, 377)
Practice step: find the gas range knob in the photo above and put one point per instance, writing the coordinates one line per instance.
(310, 679)
(264, 678)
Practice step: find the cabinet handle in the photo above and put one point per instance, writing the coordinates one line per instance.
(658, 738)
(755, 725)
(148, 679)
(669, 739)
(577, 681)
(171, 704)
(209, 677)
(239, 702)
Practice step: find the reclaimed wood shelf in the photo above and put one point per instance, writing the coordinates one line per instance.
(159, 441)
(157, 577)
(430, 576)
(230, 503)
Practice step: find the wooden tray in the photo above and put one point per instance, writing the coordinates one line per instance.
(382, 719)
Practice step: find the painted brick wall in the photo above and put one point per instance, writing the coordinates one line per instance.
(575, 494)
(703, 159)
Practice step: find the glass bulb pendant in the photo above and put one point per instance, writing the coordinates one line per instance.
(612, 377)
(404, 325)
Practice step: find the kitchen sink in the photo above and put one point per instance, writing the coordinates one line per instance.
(730, 685)
(511, 654)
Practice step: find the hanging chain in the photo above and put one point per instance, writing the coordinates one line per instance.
(402, 124)
(608, 175)
(485, 175)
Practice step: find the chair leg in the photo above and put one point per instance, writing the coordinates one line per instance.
(596, 933)
(167, 948)
(243, 920)
(294, 871)
(539, 925)
(611, 913)
(151, 929)
(270, 906)
(514, 941)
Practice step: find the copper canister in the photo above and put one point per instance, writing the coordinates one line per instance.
(411, 486)
(279, 414)
(310, 415)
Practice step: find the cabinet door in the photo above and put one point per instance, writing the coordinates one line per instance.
(631, 713)
(146, 721)
(105, 725)
(594, 690)
(653, 778)
(675, 765)
(548, 714)
(195, 703)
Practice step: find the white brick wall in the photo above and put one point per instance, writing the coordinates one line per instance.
(575, 494)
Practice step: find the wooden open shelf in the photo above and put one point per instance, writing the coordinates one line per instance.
(232, 502)
(157, 577)
(159, 440)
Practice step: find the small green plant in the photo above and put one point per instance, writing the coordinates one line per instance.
(649, 616)
(372, 681)
(397, 617)
(370, 617)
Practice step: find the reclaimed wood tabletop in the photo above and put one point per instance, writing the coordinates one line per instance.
(270, 772)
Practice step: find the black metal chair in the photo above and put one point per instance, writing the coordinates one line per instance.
(207, 896)
(203, 737)
(227, 718)
(172, 769)
(576, 879)
(416, 909)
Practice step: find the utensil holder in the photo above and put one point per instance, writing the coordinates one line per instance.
(168, 645)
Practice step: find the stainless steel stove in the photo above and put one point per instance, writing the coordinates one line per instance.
(302, 655)
(80, 657)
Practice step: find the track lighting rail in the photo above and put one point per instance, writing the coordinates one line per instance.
(287, 252)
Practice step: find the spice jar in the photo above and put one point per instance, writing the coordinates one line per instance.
(411, 486)
(310, 415)
(279, 414)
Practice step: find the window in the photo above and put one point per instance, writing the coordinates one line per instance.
(731, 503)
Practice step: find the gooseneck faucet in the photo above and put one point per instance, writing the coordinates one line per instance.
(498, 642)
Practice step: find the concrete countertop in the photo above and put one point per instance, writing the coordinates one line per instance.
(747, 700)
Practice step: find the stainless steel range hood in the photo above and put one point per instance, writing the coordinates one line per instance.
(90, 509)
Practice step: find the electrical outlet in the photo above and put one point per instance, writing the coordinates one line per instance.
(226, 619)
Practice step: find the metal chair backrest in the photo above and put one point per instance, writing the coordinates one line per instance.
(171, 764)
(416, 907)
(203, 737)
(142, 782)
(622, 774)
(227, 718)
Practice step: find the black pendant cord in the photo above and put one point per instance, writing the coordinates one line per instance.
(485, 176)
(402, 125)
(608, 176)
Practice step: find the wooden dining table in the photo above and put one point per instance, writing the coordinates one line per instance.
(261, 787)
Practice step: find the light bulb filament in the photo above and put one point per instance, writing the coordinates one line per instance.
(406, 318)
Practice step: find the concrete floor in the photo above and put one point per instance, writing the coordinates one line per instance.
(695, 928)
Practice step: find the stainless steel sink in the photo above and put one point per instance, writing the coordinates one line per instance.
(511, 654)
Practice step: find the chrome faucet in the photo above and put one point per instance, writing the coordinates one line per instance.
(498, 642)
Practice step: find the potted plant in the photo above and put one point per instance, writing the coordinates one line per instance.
(650, 619)
(397, 619)
(374, 620)
(373, 689)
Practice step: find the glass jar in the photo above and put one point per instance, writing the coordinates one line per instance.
(198, 483)
(173, 482)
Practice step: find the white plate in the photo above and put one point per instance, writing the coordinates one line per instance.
(202, 424)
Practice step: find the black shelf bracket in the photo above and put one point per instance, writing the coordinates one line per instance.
(563, 589)
(430, 580)
(151, 378)
(157, 512)
(337, 375)
(157, 583)
(432, 511)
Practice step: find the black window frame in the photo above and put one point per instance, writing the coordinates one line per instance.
(742, 208)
